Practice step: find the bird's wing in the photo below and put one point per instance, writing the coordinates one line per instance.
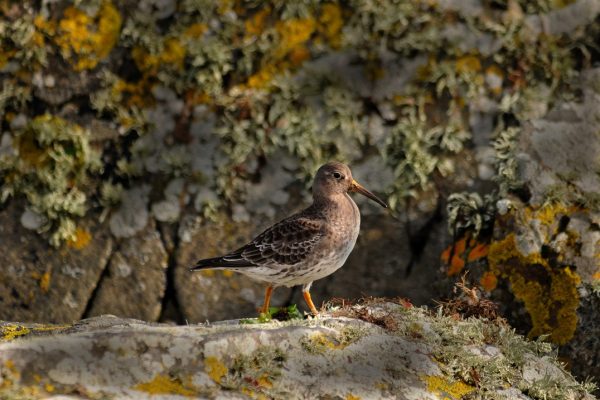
(285, 243)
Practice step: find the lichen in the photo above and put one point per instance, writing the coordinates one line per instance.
(448, 389)
(321, 343)
(53, 164)
(81, 240)
(215, 369)
(548, 290)
(12, 331)
(82, 39)
(162, 384)
(311, 81)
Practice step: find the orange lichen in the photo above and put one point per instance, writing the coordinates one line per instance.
(447, 388)
(350, 396)
(298, 55)
(479, 251)
(596, 276)
(457, 262)
(81, 240)
(488, 281)
(162, 384)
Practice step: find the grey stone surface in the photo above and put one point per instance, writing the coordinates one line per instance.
(43, 284)
(414, 355)
(559, 153)
(136, 278)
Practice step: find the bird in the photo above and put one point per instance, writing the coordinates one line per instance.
(305, 246)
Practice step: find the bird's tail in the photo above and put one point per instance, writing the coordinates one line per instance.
(208, 263)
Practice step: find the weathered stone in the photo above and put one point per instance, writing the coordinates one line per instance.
(215, 294)
(43, 284)
(559, 153)
(136, 278)
(408, 353)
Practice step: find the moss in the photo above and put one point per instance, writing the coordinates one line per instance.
(162, 384)
(448, 389)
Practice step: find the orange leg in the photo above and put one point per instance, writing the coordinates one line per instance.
(265, 308)
(306, 294)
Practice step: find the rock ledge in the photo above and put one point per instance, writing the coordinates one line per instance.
(373, 350)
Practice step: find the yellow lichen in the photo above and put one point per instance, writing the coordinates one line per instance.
(173, 53)
(447, 388)
(195, 31)
(81, 240)
(321, 342)
(162, 384)
(215, 368)
(87, 40)
(12, 331)
(467, 64)
(45, 281)
(262, 77)
(549, 292)
(227, 273)
(255, 25)
(350, 396)
(292, 33)
(330, 24)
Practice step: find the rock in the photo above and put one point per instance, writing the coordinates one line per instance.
(391, 351)
(136, 279)
(43, 284)
(558, 153)
(217, 294)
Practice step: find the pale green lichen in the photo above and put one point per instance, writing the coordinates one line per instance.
(316, 80)
(52, 166)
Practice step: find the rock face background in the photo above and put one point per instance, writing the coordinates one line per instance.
(137, 137)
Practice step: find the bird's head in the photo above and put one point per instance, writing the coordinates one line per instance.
(336, 178)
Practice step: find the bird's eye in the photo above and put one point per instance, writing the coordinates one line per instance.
(337, 175)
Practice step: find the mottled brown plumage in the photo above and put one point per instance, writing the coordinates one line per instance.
(306, 246)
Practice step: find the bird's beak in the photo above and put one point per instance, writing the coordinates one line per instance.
(357, 187)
